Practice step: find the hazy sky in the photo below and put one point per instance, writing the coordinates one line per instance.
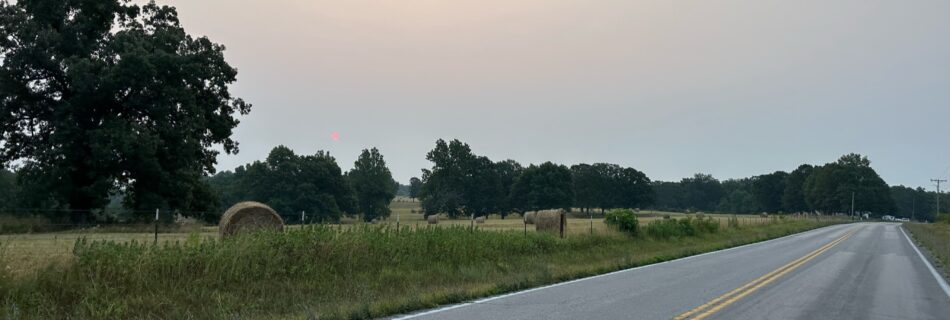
(730, 88)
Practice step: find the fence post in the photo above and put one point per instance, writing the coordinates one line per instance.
(563, 221)
(591, 214)
(156, 227)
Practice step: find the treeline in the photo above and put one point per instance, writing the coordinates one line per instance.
(828, 188)
(460, 183)
(309, 187)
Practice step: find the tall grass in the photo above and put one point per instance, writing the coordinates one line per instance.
(935, 237)
(328, 272)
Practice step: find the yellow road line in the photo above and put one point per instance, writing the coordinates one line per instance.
(730, 297)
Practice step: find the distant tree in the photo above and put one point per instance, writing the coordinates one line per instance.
(415, 187)
(402, 190)
(738, 196)
(588, 186)
(768, 190)
(914, 203)
(739, 201)
(830, 187)
(508, 172)
(461, 183)
(547, 186)
(701, 192)
(669, 196)
(100, 97)
(447, 185)
(634, 189)
(373, 183)
(290, 184)
(793, 198)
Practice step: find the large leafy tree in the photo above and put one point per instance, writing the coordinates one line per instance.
(446, 186)
(701, 192)
(793, 198)
(830, 187)
(508, 172)
(373, 183)
(415, 187)
(546, 186)
(914, 203)
(668, 195)
(290, 184)
(461, 183)
(768, 190)
(104, 96)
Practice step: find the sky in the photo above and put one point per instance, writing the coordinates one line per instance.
(671, 88)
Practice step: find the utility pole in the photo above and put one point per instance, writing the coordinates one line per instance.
(938, 181)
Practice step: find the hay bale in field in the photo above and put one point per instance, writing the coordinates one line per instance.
(249, 216)
(480, 219)
(548, 221)
(433, 219)
(529, 217)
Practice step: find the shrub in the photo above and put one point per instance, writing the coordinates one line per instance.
(686, 227)
(622, 219)
(663, 229)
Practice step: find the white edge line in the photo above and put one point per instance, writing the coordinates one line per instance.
(483, 300)
(940, 280)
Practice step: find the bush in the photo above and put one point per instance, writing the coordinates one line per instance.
(686, 227)
(664, 229)
(944, 218)
(622, 219)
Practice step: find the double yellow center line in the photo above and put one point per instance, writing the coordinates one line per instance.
(709, 308)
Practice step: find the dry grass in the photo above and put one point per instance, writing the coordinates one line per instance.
(935, 237)
(27, 253)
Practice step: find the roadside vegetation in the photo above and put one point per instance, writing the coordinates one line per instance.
(935, 237)
(331, 272)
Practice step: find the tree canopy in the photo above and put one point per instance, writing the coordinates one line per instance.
(830, 187)
(545, 186)
(290, 184)
(104, 96)
(373, 184)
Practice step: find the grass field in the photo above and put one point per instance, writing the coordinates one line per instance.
(935, 237)
(27, 253)
(327, 271)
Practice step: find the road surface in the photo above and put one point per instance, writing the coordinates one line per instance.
(854, 271)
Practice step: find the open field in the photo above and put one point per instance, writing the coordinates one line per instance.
(27, 253)
(328, 271)
(936, 238)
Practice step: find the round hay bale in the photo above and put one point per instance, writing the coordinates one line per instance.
(433, 219)
(249, 216)
(480, 219)
(764, 215)
(529, 218)
(548, 221)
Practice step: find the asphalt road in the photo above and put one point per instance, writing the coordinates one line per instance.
(855, 271)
